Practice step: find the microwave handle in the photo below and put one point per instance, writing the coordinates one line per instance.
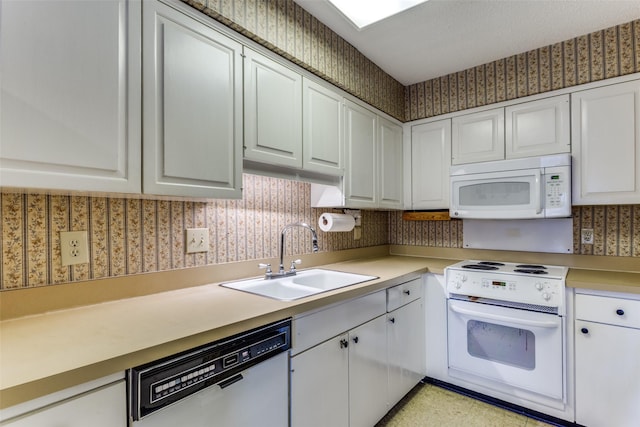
(540, 191)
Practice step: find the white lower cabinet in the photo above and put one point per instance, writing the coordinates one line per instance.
(344, 371)
(607, 345)
(405, 344)
(80, 406)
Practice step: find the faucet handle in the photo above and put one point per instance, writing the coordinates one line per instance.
(293, 264)
(267, 266)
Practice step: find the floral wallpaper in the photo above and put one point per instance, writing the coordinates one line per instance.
(129, 236)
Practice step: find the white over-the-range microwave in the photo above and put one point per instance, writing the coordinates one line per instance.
(532, 187)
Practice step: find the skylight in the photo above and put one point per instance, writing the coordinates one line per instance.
(366, 12)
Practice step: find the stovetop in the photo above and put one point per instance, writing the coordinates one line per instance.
(516, 269)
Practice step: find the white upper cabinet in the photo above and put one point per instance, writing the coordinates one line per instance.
(538, 128)
(533, 128)
(606, 144)
(192, 107)
(323, 135)
(361, 157)
(273, 112)
(390, 164)
(478, 137)
(429, 168)
(70, 95)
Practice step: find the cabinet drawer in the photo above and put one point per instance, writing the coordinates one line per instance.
(316, 327)
(615, 311)
(403, 294)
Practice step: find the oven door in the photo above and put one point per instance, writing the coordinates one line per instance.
(513, 347)
(497, 195)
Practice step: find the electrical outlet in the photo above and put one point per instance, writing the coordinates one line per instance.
(197, 240)
(587, 236)
(73, 247)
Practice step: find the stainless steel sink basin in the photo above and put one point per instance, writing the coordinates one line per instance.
(305, 283)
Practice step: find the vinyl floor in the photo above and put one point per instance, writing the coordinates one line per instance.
(429, 405)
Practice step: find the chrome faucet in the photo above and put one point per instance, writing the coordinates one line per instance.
(292, 270)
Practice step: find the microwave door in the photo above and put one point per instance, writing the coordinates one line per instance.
(497, 195)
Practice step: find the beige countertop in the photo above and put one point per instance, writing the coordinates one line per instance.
(72, 342)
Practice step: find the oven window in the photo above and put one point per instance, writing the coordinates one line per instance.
(497, 193)
(503, 344)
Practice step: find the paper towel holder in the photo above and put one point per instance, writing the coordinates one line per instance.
(356, 214)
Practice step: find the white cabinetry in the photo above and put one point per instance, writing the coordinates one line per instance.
(390, 164)
(99, 404)
(323, 135)
(339, 357)
(70, 95)
(607, 344)
(538, 128)
(273, 112)
(606, 144)
(429, 165)
(532, 128)
(192, 107)
(405, 338)
(373, 160)
(478, 137)
(360, 183)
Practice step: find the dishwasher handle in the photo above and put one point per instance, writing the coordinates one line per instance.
(229, 381)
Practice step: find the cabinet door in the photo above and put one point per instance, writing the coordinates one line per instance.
(390, 169)
(478, 137)
(193, 107)
(322, 142)
(607, 370)
(406, 344)
(361, 156)
(538, 128)
(606, 144)
(273, 112)
(320, 385)
(70, 95)
(430, 160)
(104, 407)
(368, 373)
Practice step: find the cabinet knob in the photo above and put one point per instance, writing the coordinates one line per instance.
(356, 339)
(620, 312)
(392, 319)
(344, 343)
(407, 292)
(584, 330)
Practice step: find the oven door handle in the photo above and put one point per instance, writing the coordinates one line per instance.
(497, 317)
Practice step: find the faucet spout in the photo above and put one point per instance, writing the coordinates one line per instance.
(314, 242)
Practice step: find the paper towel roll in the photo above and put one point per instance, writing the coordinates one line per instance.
(336, 222)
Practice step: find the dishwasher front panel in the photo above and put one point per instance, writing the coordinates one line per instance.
(260, 398)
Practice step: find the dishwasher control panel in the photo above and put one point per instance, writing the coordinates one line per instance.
(157, 384)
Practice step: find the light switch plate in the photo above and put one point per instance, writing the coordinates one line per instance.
(197, 240)
(73, 247)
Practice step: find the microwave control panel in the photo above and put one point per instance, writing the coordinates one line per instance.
(557, 185)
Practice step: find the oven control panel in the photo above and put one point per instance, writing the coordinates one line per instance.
(523, 289)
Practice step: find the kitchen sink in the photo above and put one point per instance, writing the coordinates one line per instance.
(303, 284)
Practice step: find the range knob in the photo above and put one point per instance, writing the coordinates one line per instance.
(546, 296)
(458, 285)
(539, 286)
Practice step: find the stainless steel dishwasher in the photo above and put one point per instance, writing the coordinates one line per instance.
(240, 380)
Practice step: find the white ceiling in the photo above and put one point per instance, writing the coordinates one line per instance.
(440, 37)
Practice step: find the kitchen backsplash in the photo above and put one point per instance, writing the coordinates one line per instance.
(616, 231)
(129, 236)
